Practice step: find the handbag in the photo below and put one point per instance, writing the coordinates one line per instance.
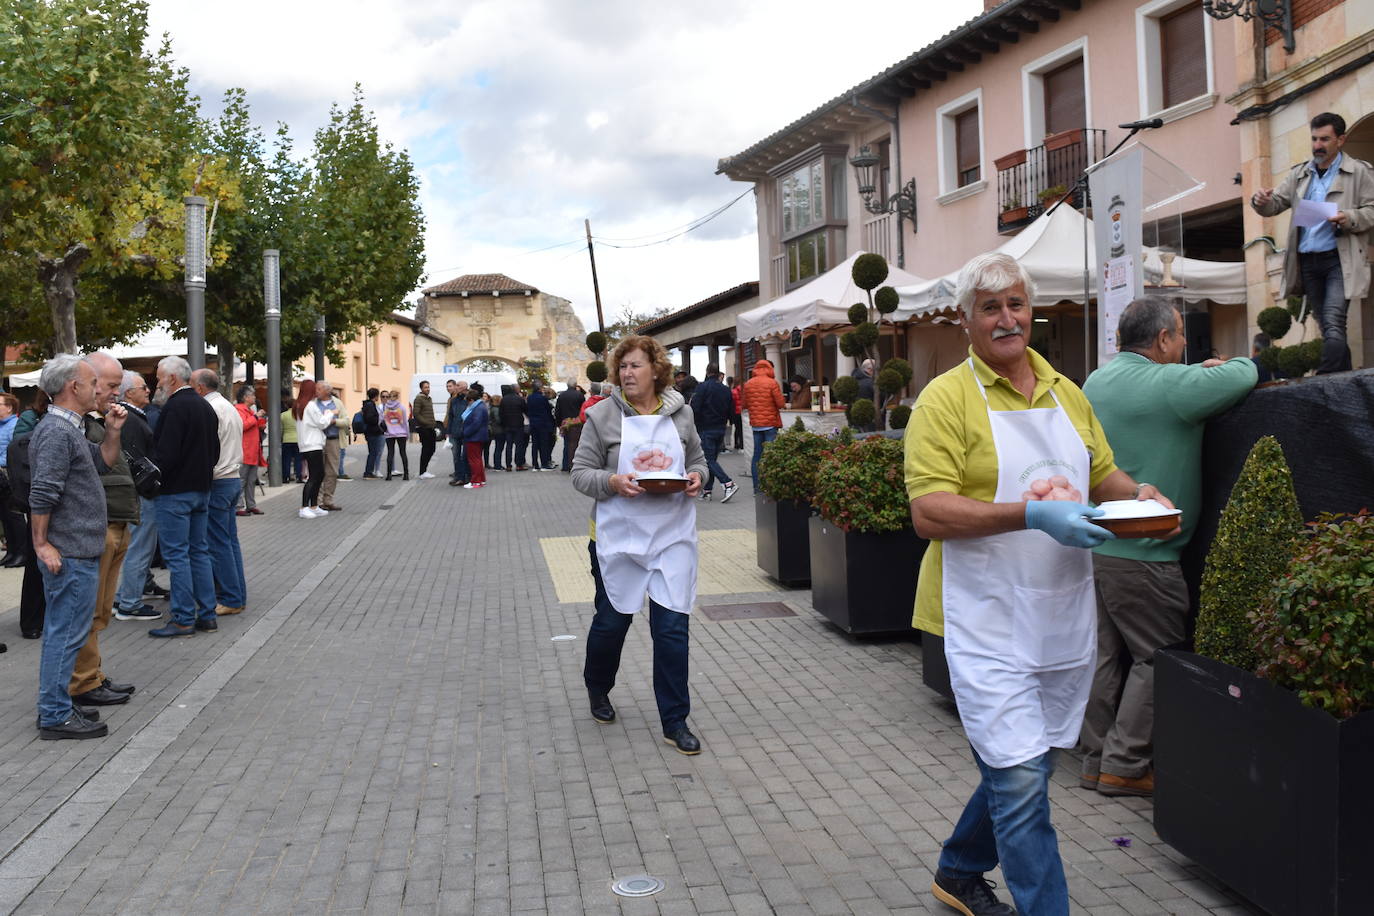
(147, 476)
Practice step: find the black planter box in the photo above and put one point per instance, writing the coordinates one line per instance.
(864, 583)
(934, 665)
(783, 539)
(1273, 797)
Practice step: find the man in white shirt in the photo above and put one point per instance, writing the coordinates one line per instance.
(231, 587)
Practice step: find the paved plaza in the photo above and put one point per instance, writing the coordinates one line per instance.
(397, 724)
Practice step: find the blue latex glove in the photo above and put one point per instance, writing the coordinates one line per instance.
(1064, 521)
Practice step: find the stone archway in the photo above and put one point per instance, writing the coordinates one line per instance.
(1359, 139)
(491, 316)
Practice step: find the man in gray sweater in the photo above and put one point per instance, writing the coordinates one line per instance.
(67, 511)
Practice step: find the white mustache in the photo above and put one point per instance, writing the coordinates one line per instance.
(999, 333)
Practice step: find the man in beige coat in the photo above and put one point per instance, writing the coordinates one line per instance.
(1326, 262)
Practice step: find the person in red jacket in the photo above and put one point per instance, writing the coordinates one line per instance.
(596, 396)
(763, 399)
(254, 422)
(737, 421)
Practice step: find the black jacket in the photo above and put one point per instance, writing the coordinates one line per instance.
(136, 437)
(512, 409)
(372, 419)
(712, 405)
(568, 405)
(186, 443)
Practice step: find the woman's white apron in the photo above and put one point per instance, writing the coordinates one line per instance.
(1020, 610)
(647, 545)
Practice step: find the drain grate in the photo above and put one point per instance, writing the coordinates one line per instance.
(761, 611)
(638, 886)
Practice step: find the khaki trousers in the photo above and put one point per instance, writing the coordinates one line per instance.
(87, 674)
(331, 472)
(1141, 607)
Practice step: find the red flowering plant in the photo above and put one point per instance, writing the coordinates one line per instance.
(862, 487)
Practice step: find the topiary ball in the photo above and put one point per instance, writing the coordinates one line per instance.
(1293, 360)
(596, 371)
(886, 300)
(1269, 358)
(858, 313)
(900, 365)
(890, 381)
(845, 389)
(1274, 321)
(1296, 307)
(869, 271)
(866, 333)
(849, 344)
(1312, 352)
(899, 417)
(862, 413)
(596, 342)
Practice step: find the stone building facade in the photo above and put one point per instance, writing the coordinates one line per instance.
(491, 316)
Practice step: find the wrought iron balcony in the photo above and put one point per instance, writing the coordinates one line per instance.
(1030, 180)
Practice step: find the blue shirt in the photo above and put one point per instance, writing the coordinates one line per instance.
(1323, 237)
(7, 426)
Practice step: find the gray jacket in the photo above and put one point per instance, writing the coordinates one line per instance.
(66, 488)
(598, 451)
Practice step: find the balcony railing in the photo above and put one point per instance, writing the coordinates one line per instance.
(878, 235)
(1030, 180)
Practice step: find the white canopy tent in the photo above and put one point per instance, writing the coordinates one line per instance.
(1051, 249)
(825, 300)
(156, 342)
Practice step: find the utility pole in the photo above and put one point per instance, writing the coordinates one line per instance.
(271, 297)
(596, 287)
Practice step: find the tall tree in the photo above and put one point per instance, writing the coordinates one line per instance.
(91, 125)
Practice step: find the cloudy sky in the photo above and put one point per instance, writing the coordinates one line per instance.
(525, 117)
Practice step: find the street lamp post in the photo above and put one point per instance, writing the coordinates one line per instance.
(319, 348)
(271, 298)
(903, 202)
(1275, 14)
(194, 263)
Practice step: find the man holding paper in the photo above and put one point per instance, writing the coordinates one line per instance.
(1332, 197)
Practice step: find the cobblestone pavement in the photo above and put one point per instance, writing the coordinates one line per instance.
(392, 727)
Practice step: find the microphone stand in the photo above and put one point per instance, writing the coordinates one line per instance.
(1083, 182)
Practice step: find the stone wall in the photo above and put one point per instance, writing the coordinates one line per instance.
(511, 328)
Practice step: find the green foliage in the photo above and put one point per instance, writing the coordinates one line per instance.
(797, 425)
(850, 345)
(845, 388)
(861, 487)
(858, 313)
(532, 370)
(596, 371)
(1274, 321)
(900, 366)
(890, 381)
(787, 467)
(1295, 307)
(1254, 543)
(1315, 631)
(596, 343)
(886, 300)
(845, 436)
(862, 413)
(1269, 358)
(869, 271)
(1297, 360)
(630, 321)
(898, 417)
(866, 333)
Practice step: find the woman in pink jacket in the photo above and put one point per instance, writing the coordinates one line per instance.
(254, 425)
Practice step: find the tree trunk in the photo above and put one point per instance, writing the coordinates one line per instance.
(58, 278)
(226, 367)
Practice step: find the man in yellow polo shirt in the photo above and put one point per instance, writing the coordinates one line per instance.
(1008, 579)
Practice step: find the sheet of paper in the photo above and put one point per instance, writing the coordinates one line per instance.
(1309, 213)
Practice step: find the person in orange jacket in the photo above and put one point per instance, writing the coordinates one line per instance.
(763, 400)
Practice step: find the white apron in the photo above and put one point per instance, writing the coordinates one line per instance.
(648, 544)
(1020, 611)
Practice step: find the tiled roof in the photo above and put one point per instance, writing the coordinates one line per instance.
(480, 284)
(709, 304)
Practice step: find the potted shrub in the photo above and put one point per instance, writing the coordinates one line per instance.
(1263, 778)
(865, 556)
(782, 507)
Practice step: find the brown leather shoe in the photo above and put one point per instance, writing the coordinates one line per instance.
(1089, 780)
(221, 610)
(1144, 786)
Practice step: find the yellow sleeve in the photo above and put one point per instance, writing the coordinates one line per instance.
(935, 449)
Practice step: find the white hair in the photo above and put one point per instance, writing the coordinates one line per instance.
(991, 273)
(131, 379)
(58, 373)
(177, 367)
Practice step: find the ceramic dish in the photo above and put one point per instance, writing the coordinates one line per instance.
(1137, 518)
(662, 482)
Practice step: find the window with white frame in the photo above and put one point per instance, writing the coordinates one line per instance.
(1056, 92)
(803, 197)
(959, 150)
(1174, 58)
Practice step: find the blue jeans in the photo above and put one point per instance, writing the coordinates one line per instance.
(142, 544)
(541, 446)
(460, 459)
(1007, 820)
(375, 444)
(291, 461)
(71, 594)
(711, 442)
(1324, 286)
(766, 434)
(182, 530)
(607, 637)
(222, 530)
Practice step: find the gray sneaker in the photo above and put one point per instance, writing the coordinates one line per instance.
(704, 496)
(730, 490)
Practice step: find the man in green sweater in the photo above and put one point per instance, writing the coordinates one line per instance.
(1154, 409)
(422, 409)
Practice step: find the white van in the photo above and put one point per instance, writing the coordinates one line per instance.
(491, 383)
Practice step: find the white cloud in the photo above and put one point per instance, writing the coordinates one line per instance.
(525, 117)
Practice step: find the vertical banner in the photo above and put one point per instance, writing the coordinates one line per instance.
(1115, 186)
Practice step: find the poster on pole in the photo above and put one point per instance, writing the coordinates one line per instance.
(1115, 186)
